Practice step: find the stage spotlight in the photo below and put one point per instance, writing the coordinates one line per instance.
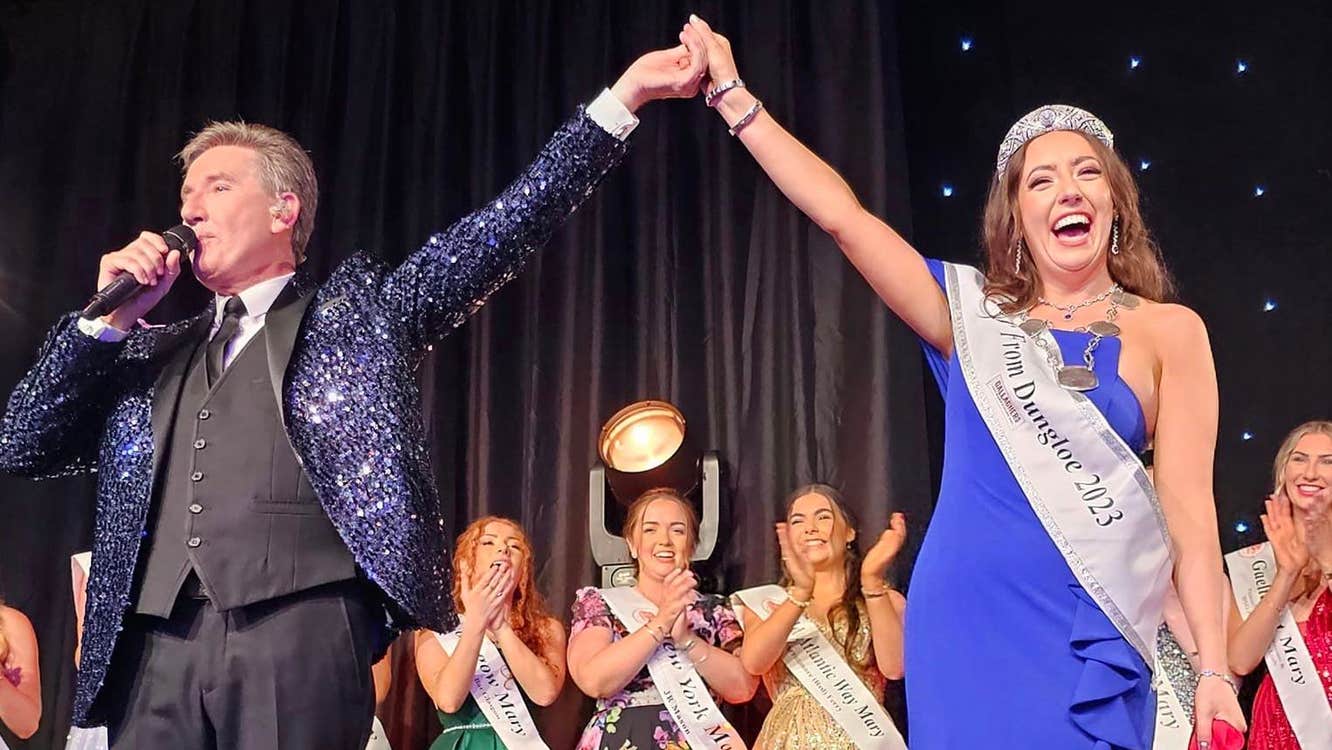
(644, 446)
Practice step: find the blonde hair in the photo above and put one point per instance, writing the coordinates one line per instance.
(634, 519)
(284, 167)
(1313, 427)
(1138, 266)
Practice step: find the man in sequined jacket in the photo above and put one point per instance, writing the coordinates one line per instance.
(266, 515)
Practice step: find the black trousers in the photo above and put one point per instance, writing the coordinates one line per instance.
(286, 674)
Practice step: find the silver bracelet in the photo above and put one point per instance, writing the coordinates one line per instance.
(1220, 676)
(721, 88)
(748, 118)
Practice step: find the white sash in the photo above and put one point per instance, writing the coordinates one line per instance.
(1174, 725)
(818, 665)
(1089, 490)
(498, 695)
(682, 690)
(378, 737)
(1288, 661)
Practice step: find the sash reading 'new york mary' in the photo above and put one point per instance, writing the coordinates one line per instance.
(681, 687)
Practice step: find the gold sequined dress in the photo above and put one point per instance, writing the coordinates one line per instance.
(797, 721)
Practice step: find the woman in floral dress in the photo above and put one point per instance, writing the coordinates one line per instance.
(609, 663)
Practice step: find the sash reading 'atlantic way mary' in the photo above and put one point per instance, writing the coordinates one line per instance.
(498, 695)
(818, 665)
(1292, 668)
(681, 687)
(1089, 490)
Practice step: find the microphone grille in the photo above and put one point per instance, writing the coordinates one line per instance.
(181, 237)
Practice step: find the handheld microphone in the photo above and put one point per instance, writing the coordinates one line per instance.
(125, 286)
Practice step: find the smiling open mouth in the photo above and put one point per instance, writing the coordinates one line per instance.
(1073, 228)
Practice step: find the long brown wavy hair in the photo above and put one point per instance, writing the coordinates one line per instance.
(1138, 267)
(528, 613)
(853, 599)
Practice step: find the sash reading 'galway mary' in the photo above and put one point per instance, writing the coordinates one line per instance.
(1288, 660)
(1089, 490)
(818, 665)
(498, 695)
(681, 687)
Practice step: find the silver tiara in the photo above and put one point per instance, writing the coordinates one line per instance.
(1048, 119)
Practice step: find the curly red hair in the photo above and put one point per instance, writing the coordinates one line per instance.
(528, 614)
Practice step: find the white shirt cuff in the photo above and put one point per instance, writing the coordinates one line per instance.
(611, 114)
(101, 330)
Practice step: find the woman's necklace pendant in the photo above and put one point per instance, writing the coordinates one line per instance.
(1077, 378)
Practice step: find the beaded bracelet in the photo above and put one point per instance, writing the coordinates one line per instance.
(802, 605)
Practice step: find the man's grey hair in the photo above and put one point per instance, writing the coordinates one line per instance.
(284, 167)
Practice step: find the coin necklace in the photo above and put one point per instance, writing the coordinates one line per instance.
(1079, 377)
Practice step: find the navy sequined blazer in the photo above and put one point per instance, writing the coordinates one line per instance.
(345, 361)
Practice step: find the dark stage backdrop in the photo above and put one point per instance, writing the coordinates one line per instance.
(687, 277)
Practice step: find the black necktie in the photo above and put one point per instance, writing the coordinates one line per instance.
(231, 315)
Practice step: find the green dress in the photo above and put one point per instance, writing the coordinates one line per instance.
(468, 729)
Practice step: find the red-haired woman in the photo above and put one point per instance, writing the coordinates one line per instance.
(508, 649)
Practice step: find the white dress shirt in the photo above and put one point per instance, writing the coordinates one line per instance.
(258, 301)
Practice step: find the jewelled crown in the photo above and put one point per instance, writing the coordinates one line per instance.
(1047, 119)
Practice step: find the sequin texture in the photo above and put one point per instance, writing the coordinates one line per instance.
(797, 721)
(1173, 664)
(1269, 727)
(352, 406)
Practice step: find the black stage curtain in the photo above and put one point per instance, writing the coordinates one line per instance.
(687, 278)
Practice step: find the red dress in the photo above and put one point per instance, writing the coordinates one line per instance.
(1269, 727)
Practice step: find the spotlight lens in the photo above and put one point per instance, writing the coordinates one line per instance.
(642, 436)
